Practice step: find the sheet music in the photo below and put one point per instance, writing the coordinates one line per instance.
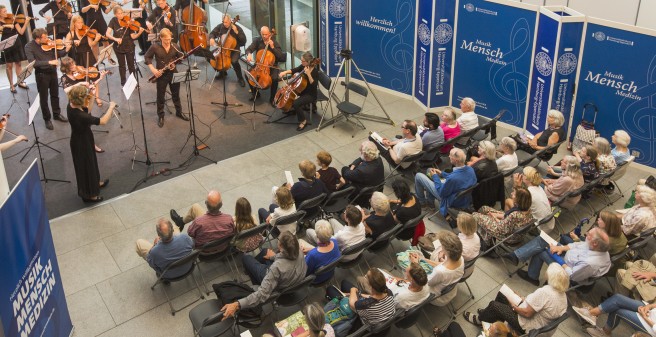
(377, 138)
(31, 112)
(130, 85)
(548, 239)
(510, 295)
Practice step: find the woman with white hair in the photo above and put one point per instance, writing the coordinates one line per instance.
(570, 180)
(621, 152)
(450, 127)
(380, 219)
(538, 309)
(327, 251)
(553, 134)
(640, 217)
(485, 165)
(508, 161)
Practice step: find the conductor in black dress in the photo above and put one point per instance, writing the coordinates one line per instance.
(216, 39)
(165, 52)
(259, 43)
(82, 143)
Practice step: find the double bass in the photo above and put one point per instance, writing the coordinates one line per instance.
(296, 84)
(194, 34)
(226, 45)
(264, 60)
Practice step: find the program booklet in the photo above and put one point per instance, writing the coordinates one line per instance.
(292, 326)
(513, 298)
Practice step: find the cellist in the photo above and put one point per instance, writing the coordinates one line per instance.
(260, 43)
(236, 32)
(309, 95)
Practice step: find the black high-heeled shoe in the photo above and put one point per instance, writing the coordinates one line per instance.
(98, 198)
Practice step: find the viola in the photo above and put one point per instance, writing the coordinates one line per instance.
(49, 45)
(105, 3)
(264, 60)
(12, 19)
(194, 19)
(131, 24)
(167, 11)
(223, 54)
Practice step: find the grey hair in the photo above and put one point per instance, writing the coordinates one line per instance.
(315, 319)
(602, 145)
(572, 167)
(380, 202)
(324, 231)
(369, 150)
(470, 103)
(489, 150)
(164, 230)
(622, 138)
(558, 116)
(601, 238)
(647, 195)
(508, 143)
(458, 155)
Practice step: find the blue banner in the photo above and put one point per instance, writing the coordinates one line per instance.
(332, 16)
(423, 43)
(618, 75)
(31, 287)
(543, 66)
(323, 34)
(442, 52)
(494, 44)
(569, 47)
(382, 40)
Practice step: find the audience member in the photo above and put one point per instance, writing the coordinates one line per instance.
(315, 319)
(367, 170)
(284, 206)
(589, 164)
(540, 205)
(416, 292)
(508, 160)
(168, 247)
(450, 127)
(380, 219)
(432, 134)
(407, 208)
(327, 251)
(538, 309)
(582, 260)
(494, 224)
(346, 235)
(244, 220)
(471, 242)
(570, 180)
(620, 152)
(612, 225)
(485, 165)
(307, 186)
(605, 159)
(271, 271)
(640, 217)
(639, 315)
(208, 227)
(638, 280)
(553, 134)
(468, 119)
(432, 188)
(395, 150)
(327, 174)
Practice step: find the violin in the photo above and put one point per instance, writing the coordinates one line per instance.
(90, 32)
(131, 24)
(49, 45)
(90, 72)
(64, 6)
(105, 3)
(12, 19)
(167, 11)
(264, 60)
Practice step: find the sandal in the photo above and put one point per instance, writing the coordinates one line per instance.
(98, 149)
(12, 89)
(471, 318)
(99, 102)
(104, 183)
(23, 85)
(301, 126)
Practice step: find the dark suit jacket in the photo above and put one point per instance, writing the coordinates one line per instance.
(365, 173)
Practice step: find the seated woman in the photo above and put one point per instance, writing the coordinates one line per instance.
(407, 208)
(494, 224)
(535, 311)
(605, 159)
(508, 160)
(327, 251)
(552, 135)
(348, 234)
(450, 127)
(540, 205)
(613, 227)
(284, 206)
(640, 217)
(471, 242)
(639, 316)
(570, 180)
(244, 220)
(308, 186)
(587, 157)
(447, 269)
(380, 219)
(620, 152)
(485, 165)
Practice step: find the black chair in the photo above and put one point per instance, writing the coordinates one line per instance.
(619, 173)
(206, 320)
(430, 158)
(399, 169)
(382, 243)
(208, 253)
(408, 230)
(464, 140)
(189, 262)
(260, 229)
(549, 327)
(284, 220)
(469, 270)
(362, 197)
(411, 316)
(337, 201)
(454, 211)
(501, 248)
(351, 110)
(312, 208)
(380, 329)
(357, 248)
(325, 82)
(329, 268)
(293, 295)
(489, 191)
(636, 245)
(449, 306)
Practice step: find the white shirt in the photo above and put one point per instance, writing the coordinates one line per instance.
(507, 162)
(467, 121)
(348, 236)
(548, 303)
(406, 299)
(540, 206)
(407, 147)
(279, 212)
(471, 246)
(442, 277)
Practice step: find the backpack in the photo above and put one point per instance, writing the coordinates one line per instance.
(340, 316)
(231, 291)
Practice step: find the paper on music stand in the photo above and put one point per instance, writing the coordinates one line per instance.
(8, 43)
(246, 333)
(510, 295)
(27, 71)
(130, 85)
(135, 13)
(31, 112)
(290, 179)
(181, 76)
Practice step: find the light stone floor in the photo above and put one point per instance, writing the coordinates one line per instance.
(107, 285)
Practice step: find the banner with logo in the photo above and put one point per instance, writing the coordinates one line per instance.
(332, 34)
(493, 52)
(422, 50)
(442, 52)
(33, 301)
(383, 41)
(618, 75)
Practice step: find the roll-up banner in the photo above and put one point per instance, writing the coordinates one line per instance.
(423, 44)
(493, 52)
(383, 41)
(555, 61)
(442, 52)
(33, 301)
(332, 35)
(618, 75)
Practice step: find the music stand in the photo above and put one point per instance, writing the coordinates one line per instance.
(257, 87)
(225, 103)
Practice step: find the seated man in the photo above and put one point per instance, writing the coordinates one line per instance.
(351, 234)
(582, 260)
(430, 189)
(432, 133)
(168, 247)
(208, 227)
(468, 119)
(273, 272)
(367, 170)
(395, 150)
(417, 291)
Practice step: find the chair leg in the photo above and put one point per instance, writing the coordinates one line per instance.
(200, 291)
(169, 300)
(203, 279)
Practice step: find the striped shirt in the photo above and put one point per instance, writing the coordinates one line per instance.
(373, 311)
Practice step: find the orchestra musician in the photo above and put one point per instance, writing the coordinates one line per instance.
(236, 32)
(14, 54)
(182, 4)
(310, 70)
(159, 19)
(45, 73)
(60, 15)
(260, 43)
(145, 7)
(80, 47)
(165, 53)
(95, 20)
(123, 39)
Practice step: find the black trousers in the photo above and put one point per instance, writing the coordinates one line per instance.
(299, 103)
(123, 60)
(500, 310)
(47, 83)
(162, 82)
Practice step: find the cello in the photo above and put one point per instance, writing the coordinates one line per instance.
(223, 54)
(264, 60)
(296, 84)
(194, 19)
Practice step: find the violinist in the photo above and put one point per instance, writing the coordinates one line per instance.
(165, 53)
(78, 44)
(45, 73)
(235, 31)
(123, 39)
(95, 19)
(146, 7)
(163, 16)
(260, 43)
(13, 55)
(61, 12)
(4, 184)
(310, 70)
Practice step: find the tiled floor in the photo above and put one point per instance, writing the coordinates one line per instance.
(108, 285)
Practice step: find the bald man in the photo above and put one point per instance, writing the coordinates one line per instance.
(207, 226)
(259, 43)
(169, 246)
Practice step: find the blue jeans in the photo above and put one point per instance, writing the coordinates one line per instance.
(256, 267)
(622, 307)
(424, 184)
(536, 251)
(263, 214)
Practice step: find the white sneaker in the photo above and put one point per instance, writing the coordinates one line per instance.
(586, 315)
(596, 332)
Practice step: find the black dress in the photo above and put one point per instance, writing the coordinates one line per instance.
(87, 174)
(95, 18)
(15, 53)
(79, 53)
